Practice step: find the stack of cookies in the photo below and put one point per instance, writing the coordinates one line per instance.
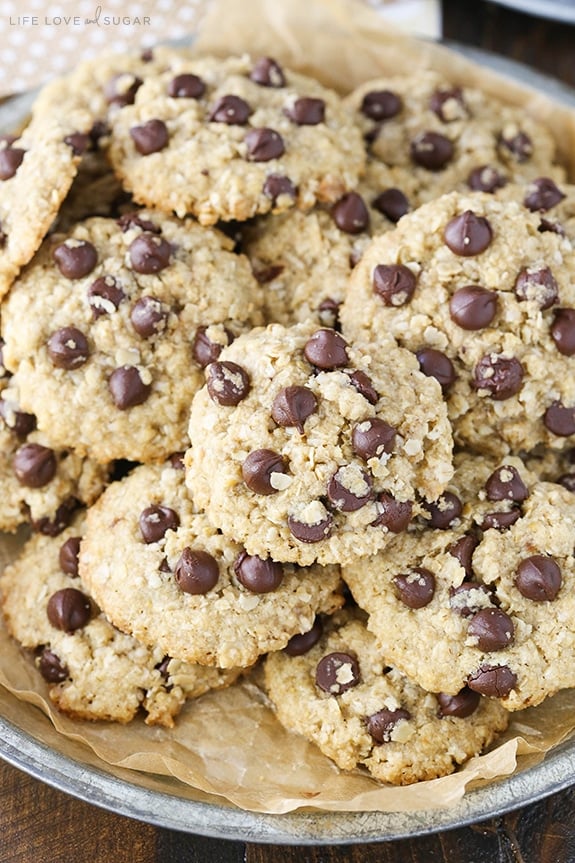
(287, 385)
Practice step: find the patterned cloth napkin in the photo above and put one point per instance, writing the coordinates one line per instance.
(40, 38)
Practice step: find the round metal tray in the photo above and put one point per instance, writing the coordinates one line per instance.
(558, 10)
(29, 741)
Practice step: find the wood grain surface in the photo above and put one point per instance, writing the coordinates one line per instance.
(41, 825)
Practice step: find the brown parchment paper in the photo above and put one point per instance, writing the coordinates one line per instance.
(228, 743)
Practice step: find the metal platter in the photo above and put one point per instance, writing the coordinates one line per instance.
(558, 10)
(29, 741)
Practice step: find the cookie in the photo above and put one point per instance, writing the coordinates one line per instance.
(162, 573)
(36, 171)
(451, 137)
(242, 136)
(93, 671)
(553, 202)
(111, 325)
(42, 485)
(309, 448)
(485, 300)
(342, 694)
(303, 260)
(486, 590)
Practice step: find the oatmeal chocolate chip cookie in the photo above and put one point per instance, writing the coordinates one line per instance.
(340, 693)
(36, 171)
(111, 325)
(93, 671)
(162, 573)
(42, 485)
(486, 301)
(451, 137)
(488, 596)
(242, 136)
(309, 448)
(553, 202)
(304, 260)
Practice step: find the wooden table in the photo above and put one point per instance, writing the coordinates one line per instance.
(41, 825)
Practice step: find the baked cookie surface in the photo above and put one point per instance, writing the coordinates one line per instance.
(161, 572)
(343, 696)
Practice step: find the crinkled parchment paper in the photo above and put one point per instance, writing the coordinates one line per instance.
(228, 743)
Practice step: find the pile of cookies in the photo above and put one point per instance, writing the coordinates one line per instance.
(287, 390)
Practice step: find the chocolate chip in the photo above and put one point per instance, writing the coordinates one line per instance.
(68, 348)
(448, 104)
(350, 214)
(501, 377)
(311, 533)
(19, 422)
(392, 204)
(127, 387)
(394, 514)
(381, 105)
(372, 437)
(394, 284)
(267, 72)
(155, 520)
(547, 226)
(121, 89)
(538, 578)
(258, 471)
(431, 150)
(350, 488)
(306, 111)
(486, 179)
(337, 672)
(505, 483)
(516, 144)
(467, 234)
(257, 574)
(227, 383)
(268, 274)
(68, 556)
(104, 296)
(495, 681)
(328, 312)
(562, 331)
(435, 364)
(148, 316)
(326, 349)
(78, 141)
(277, 185)
(34, 465)
(492, 628)
(381, 725)
(443, 511)
(500, 520)
(75, 258)
(364, 386)
(150, 137)
(542, 195)
(69, 609)
(468, 599)
(559, 420)
(300, 644)
(186, 86)
(567, 480)
(176, 460)
(416, 587)
(292, 406)
(149, 253)
(59, 521)
(196, 571)
(231, 110)
(463, 550)
(264, 144)
(10, 160)
(51, 667)
(127, 221)
(538, 285)
(461, 705)
(204, 350)
(3, 237)
(473, 307)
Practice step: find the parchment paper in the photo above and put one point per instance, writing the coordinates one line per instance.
(229, 743)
